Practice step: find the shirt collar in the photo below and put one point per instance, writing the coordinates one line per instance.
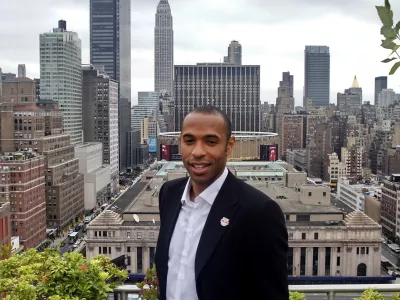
(210, 193)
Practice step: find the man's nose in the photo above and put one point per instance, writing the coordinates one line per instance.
(198, 150)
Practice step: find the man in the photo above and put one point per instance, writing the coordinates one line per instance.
(219, 237)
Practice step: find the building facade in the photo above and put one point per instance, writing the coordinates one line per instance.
(21, 70)
(317, 75)
(164, 49)
(23, 186)
(234, 89)
(5, 223)
(100, 117)
(234, 53)
(61, 76)
(97, 176)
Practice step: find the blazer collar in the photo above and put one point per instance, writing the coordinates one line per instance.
(224, 207)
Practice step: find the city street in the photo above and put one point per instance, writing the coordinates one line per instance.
(390, 254)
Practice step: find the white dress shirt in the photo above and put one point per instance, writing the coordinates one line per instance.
(181, 282)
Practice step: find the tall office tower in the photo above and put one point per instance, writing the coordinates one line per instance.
(100, 117)
(349, 103)
(380, 84)
(164, 50)
(284, 105)
(147, 102)
(61, 76)
(234, 89)
(317, 75)
(110, 48)
(368, 113)
(21, 70)
(287, 81)
(234, 53)
(318, 147)
(35, 129)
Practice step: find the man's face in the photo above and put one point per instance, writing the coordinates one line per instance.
(204, 147)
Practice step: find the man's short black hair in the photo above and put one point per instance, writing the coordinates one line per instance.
(212, 110)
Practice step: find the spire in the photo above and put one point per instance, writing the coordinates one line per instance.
(355, 83)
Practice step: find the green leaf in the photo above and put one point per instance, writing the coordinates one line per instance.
(397, 27)
(387, 4)
(388, 44)
(386, 15)
(395, 48)
(388, 32)
(394, 68)
(389, 59)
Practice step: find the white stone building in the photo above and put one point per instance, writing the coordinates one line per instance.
(97, 176)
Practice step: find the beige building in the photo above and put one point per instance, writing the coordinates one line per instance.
(323, 240)
(334, 169)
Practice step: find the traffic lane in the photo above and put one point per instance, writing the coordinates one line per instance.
(390, 254)
(67, 245)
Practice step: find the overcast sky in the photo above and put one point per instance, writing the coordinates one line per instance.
(272, 33)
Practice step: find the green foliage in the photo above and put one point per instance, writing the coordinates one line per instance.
(149, 286)
(47, 275)
(296, 296)
(391, 34)
(5, 251)
(371, 294)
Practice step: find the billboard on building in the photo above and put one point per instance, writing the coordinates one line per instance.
(152, 142)
(273, 153)
(165, 152)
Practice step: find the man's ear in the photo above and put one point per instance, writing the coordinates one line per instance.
(229, 146)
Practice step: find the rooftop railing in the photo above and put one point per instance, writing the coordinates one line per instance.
(330, 290)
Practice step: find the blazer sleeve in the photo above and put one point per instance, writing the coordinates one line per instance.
(161, 197)
(270, 248)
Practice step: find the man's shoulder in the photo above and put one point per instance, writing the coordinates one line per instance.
(252, 198)
(175, 183)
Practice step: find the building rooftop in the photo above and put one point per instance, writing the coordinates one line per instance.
(358, 218)
(289, 200)
(107, 217)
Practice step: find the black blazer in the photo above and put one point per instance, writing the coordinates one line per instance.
(246, 259)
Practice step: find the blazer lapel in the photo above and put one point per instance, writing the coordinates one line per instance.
(223, 206)
(172, 212)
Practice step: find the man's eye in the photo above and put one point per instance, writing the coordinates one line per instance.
(212, 142)
(188, 141)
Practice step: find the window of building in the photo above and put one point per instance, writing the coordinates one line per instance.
(324, 194)
(128, 249)
(362, 250)
(338, 261)
(95, 233)
(367, 250)
(309, 194)
(315, 235)
(303, 218)
(287, 217)
(303, 235)
(338, 249)
(104, 233)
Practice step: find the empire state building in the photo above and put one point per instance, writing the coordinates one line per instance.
(163, 49)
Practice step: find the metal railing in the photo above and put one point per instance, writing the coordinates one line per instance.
(331, 290)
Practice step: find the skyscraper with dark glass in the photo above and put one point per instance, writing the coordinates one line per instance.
(380, 84)
(317, 69)
(110, 48)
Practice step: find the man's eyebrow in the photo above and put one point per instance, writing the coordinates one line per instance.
(208, 136)
(187, 135)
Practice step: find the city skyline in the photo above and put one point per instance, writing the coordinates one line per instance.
(354, 43)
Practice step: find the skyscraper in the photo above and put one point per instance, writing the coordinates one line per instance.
(234, 53)
(100, 117)
(110, 40)
(110, 48)
(316, 75)
(287, 81)
(232, 88)
(61, 76)
(380, 84)
(164, 49)
(21, 70)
